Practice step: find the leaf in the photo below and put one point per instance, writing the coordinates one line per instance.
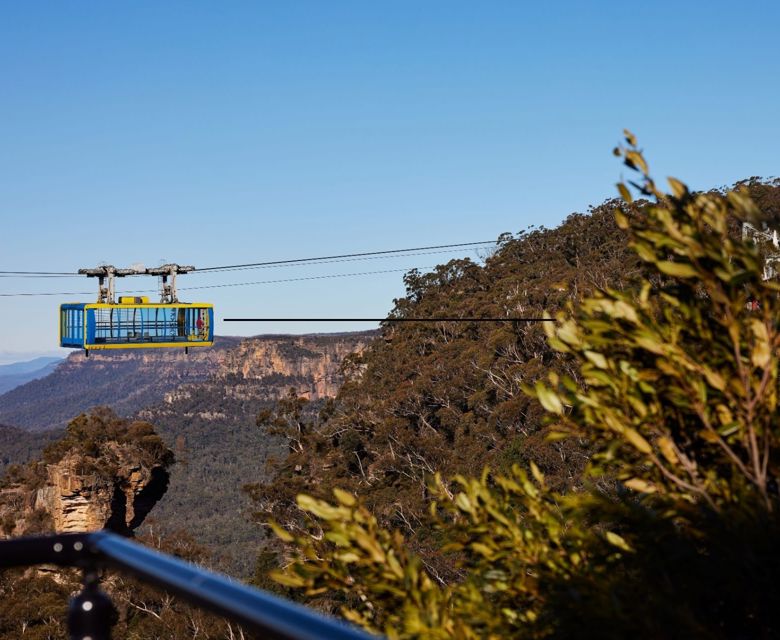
(483, 550)
(679, 189)
(287, 579)
(281, 533)
(632, 435)
(344, 497)
(676, 269)
(642, 486)
(537, 473)
(626, 195)
(635, 160)
(597, 359)
(549, 399)
(463, 503)
(319, 508)
(369, 544)
(666, 446)
(761, 355)
(714, 379)
(617, 541)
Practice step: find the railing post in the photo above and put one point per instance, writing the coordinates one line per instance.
(91, 613)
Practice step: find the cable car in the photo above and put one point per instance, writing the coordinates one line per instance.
(134, 322)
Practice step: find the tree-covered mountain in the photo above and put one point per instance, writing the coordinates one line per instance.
(668, 384)
(447, 396)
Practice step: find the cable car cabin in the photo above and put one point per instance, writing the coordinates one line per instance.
(135, 323)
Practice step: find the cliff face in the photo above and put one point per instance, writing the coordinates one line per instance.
(79, 501)
(313, 361)
(247, 370)
(104, 473)
(265, 368)
(124, 380)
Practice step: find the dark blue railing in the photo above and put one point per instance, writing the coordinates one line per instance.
(89, 615)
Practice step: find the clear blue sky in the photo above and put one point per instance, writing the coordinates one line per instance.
(213, 133)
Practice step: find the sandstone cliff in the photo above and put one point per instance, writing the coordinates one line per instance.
(250, 369)
(261, 369)
(104, 473)
(124, 380)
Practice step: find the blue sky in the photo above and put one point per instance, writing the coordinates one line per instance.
(218, 133)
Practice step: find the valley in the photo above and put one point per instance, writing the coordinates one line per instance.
(204, 405)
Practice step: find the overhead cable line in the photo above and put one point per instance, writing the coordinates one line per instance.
(447, 319)
(270, 263)
(319, 261)
(346, 255)
(219, 286)
(37, 274)
(40, 275)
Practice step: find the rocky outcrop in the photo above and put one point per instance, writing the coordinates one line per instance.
(315, 361)
(78, 500)
(88, 483)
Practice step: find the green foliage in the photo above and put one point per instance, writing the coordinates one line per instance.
(672, 385)
(91, 435)
(681, 381)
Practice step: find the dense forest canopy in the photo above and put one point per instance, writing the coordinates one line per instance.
(629, 454)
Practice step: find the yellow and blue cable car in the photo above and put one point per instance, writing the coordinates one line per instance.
(134, 322)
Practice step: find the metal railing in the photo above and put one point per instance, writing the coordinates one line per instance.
(90, 612)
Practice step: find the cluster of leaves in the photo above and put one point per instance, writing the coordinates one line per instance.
(673, 387)
(681, 380)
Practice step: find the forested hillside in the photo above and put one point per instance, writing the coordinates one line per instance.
(219, 447)
(18, 446)
(446, 397)
(659, 382)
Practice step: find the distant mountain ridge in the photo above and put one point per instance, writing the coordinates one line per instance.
(28, 366)
(19, 373)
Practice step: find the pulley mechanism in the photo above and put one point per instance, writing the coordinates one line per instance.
(167, 274)
(107, 275)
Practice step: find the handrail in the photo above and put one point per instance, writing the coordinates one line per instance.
(254, 609)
